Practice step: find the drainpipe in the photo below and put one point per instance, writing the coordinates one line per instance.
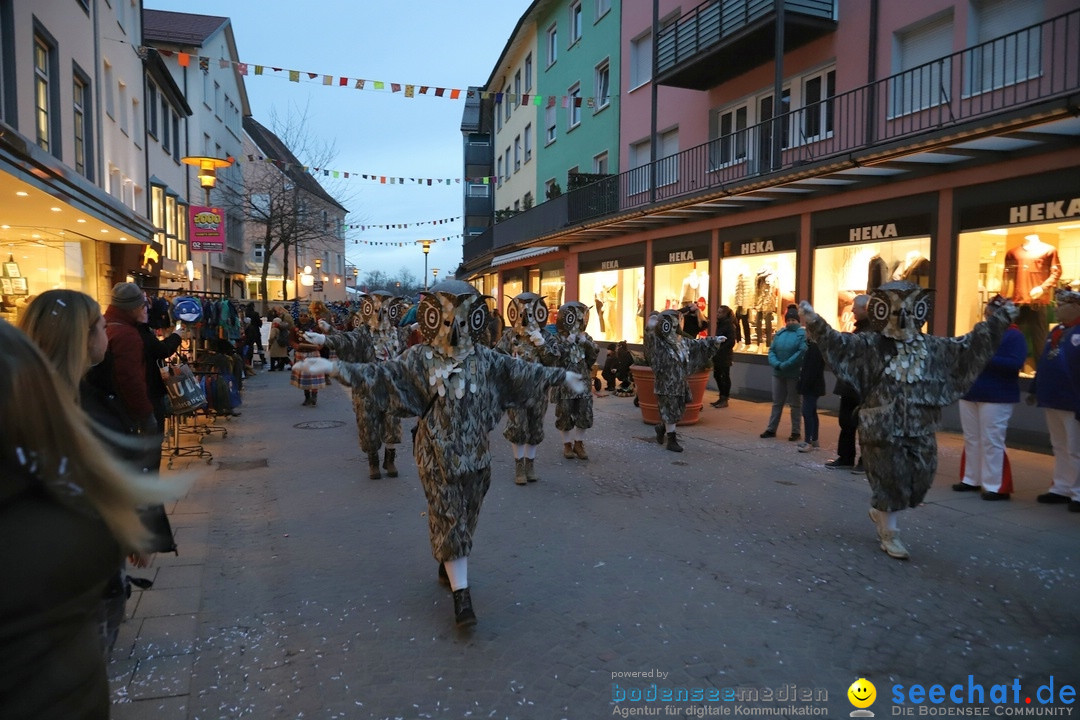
(871, 74)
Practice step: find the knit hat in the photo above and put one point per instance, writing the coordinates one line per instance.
(127, 296)
(792, 313)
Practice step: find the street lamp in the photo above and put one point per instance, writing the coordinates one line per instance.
(318, 270)
(208, 167)
(434, 275)
(427, 248)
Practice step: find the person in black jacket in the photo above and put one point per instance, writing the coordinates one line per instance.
(617, 367)
(849, 402)
(721, 362)
(811, 386)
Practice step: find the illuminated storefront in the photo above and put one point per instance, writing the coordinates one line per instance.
(681, 273)
(757, 280)
(612, 282)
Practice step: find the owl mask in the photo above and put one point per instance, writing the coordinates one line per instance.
(371, 308)
(668, 324)
(898, 310)
(453, 316)
(526, 312)
(573, 317)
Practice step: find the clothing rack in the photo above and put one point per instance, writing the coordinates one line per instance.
(174, 448)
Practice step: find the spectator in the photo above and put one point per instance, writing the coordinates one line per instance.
(811, 386)
(279, 345)
(617, 366)
(849, 401)
(67, 517)
(985, 413)
(721, 362)
(786, 357)
(127, 356)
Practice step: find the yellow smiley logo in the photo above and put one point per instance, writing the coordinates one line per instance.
(862, 693)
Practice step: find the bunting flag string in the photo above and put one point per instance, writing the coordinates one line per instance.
(408, 90)
(402, 226)
(372, 177)
(404, 243)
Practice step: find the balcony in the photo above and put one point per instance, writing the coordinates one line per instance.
(722, 39)
(1014, 94)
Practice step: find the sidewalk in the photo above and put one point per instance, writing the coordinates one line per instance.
(302, 589)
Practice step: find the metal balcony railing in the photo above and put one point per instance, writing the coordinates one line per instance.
(1023, 68)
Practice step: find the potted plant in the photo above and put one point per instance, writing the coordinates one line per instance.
(650, 410)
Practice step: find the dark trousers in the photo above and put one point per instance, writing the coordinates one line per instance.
(742, 326)
(810, 417)
(849, 422)
(721, 373)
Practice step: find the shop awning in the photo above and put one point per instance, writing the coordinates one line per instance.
(523, 254)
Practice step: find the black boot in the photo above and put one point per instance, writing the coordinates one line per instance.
(463, 612)
(314, 398)
(388, 462)
(660, 432)
(373, 465)
(673, 444)
(307, 397)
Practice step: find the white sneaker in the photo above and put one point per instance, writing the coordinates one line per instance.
(890, 543)
(805, 447)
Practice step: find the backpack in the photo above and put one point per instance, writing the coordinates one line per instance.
(282, 337)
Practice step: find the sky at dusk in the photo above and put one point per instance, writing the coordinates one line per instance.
(438, 43)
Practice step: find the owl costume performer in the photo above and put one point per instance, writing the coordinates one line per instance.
(673, 358)
(524, 338)
(376, 337)
(904, 379)
(577, 353)
(459, 389)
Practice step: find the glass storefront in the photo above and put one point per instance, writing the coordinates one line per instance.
(44, 265)
(757, 281)
(681, 274)
(614, 285)
(1023, 251)
(552, 285)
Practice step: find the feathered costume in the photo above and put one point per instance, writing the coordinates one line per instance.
(524, 338)
(376, 337)
(673, 358)
(904, 379)
(577, 353)
(459, 389)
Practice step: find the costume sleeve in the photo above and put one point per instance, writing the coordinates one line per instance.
(592, 350)
(400, 378)
(967, 355)
(355, 346)
(519, 382)
(840, 351)
(505, 344)
(702, 351)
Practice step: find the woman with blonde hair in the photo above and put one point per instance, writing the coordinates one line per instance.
(69, 328)
(67, 517)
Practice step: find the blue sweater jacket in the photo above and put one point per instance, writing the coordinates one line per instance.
(999, 382)
(1053, 386)
(787, 351)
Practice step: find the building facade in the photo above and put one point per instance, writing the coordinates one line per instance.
(948, 158)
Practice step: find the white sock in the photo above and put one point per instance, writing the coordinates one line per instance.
(517, 451)
(458, 572)
(890, 520)
(670, 427)
(567, 437)
(579, 434)
(530, 452)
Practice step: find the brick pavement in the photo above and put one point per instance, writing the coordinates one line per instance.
(303, 589)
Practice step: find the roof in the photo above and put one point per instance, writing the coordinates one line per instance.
(179, 28)
(274, 149)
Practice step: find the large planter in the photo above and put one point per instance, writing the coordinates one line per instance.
(650, 411)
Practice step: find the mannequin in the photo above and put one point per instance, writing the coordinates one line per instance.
(765, 304)
(1031, 272)
(877, 273)
(742, 310)
(691, 286)
(914, 268)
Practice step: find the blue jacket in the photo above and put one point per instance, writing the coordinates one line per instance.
(787, 350)
(999, 382)
(1053, 386)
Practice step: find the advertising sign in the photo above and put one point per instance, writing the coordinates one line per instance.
(207, 229)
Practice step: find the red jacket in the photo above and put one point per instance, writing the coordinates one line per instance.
(128, 363)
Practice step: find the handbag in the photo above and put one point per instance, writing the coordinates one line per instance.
(185, 394)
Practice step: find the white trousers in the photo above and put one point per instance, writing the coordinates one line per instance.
(984, 426)
(1065, 440)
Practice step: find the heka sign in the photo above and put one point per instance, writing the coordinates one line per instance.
(206, 231)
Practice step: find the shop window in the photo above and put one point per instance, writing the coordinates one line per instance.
(844, 271)
(757, 288)
(678, 286)
(617, 298)
(1025, 264)
(552, 288)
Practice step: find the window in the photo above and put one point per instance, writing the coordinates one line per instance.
(602, 8)
(574, 113)
(498, 116)
(259, 251)
(176, 135)
(600, 164)
(924, 71)
(506, 103)
(110, 90)
(152, 110)
(217, 101)
(83, 137)
(507, 176)
(639, 167)
(122, 107)
(817, 111)
(667, 153)
(550, 122)
(207, 88)
(1009, 50)
(552, 45)
(517, 86)
(499, 168)
(603, 79)
(641, 60)
(780, 123)
(517, 206)
(157, 215)
(549, 188)
(43, 105)
(479, 190)
(575, 22)
(517, 153)
(136, 122)
(729, 131)
(528, 72)
(165, 135)
(528, 142)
